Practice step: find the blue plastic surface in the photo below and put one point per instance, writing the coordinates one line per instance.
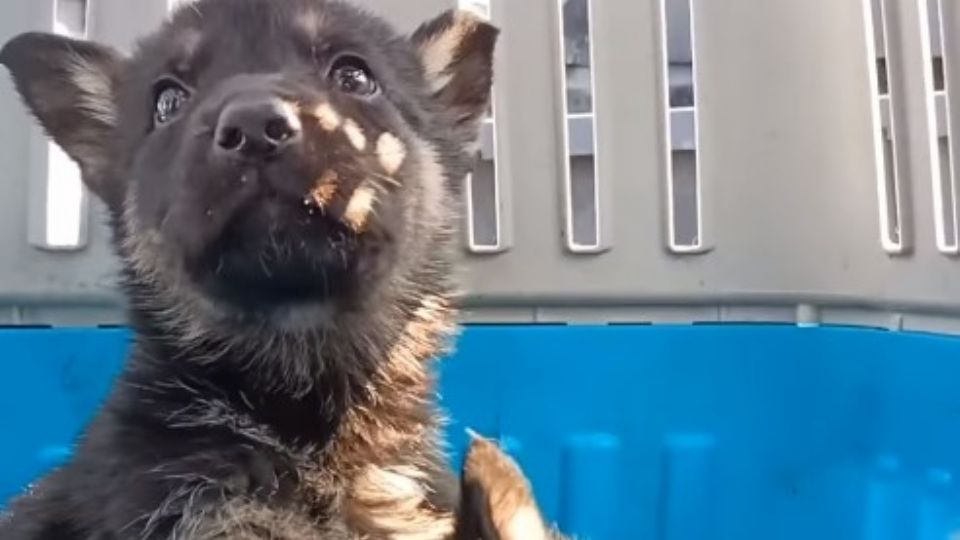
(666, 433)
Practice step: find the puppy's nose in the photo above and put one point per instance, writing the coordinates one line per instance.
(256, 128)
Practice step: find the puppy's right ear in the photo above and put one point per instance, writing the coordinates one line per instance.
(456, 50)
(70, 86)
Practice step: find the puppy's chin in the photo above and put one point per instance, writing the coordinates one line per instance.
(292, 284)
(287, 307)
(276, 275)
(262, 286)
(301, 317)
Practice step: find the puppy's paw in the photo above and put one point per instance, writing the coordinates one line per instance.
(497, 500)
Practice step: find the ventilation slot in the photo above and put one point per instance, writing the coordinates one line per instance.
(684, 187)
(885, 96)
(939, 108)
(581, 177)
(486, 201)
(59, 203)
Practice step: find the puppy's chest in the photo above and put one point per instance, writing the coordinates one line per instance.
(319, 495)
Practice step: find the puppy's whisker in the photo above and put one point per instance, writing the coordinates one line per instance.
(380, 188)
(380, 155)
(262, 257)
(386, 179)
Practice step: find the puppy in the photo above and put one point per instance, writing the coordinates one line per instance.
(280, 177)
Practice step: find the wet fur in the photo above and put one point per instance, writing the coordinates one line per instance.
(299, 422)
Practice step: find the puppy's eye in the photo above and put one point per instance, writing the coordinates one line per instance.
(171, 97)
(352, 75)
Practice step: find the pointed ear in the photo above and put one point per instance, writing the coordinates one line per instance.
(456, 50)
(70, 87)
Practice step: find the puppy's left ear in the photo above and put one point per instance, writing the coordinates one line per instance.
(70, 87)
(456, 50)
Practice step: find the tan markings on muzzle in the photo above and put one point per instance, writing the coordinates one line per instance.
(291, 113)
(325, 188)
(391, 152)
(359, 208)
(355, 134)
(328, 118)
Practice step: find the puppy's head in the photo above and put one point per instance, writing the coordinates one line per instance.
(263, 156)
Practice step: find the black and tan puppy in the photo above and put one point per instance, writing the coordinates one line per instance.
(280, 178)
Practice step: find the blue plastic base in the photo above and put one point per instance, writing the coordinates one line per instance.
(667, 433)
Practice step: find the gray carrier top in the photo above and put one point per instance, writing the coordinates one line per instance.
(644, 161)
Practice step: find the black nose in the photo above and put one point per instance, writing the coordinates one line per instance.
(256, 128)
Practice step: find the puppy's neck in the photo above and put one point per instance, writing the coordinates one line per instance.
(366, 433)
(361, 373)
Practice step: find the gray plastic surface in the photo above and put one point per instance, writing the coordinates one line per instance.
(786, 153)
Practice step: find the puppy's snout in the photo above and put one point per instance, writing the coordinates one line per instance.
(256, 128)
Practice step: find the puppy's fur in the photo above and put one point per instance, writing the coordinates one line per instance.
(280, 178)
